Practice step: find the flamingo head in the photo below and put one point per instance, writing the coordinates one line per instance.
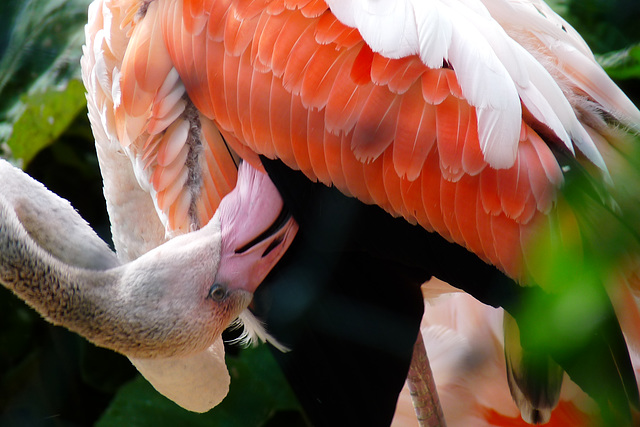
(195, 285)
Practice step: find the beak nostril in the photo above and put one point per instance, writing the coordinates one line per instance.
(276, 226)
(272, 246)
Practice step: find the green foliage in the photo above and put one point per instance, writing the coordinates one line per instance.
(606, 25)
(41, 58)
(622, 64)
(581, 265)
(45, 116)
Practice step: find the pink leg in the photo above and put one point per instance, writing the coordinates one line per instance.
(423, 388)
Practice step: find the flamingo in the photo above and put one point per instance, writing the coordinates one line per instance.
(461, 118)
(465, 344)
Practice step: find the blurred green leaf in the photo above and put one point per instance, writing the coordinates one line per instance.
(623, 64)
(43, 119)
(559, 6)
(606, 25)
(258, 392)
(41, 57)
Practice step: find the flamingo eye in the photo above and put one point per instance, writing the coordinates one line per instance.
(217, 293)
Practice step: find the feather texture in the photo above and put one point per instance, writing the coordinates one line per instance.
(359, 96)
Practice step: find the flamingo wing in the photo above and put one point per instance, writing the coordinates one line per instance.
(437, 113)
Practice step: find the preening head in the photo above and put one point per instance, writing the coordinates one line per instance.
(171, 298)
(174, 300)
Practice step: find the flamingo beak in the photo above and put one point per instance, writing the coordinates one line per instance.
(257, 230)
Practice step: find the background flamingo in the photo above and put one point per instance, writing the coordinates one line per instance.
(464, 340)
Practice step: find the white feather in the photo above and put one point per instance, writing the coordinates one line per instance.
(441, 31)
(171, 84)
(535, 16)
(494, 48)
(570, 53)
(116, 38)
(591, 78)
(101, 69)
(487, 85)
(434, 33)
(116, 93)
(254, 332)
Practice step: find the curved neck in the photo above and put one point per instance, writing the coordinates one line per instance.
(159, 305)
(51, 258)
(52, 223)
(108, 307)
(55, 289)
